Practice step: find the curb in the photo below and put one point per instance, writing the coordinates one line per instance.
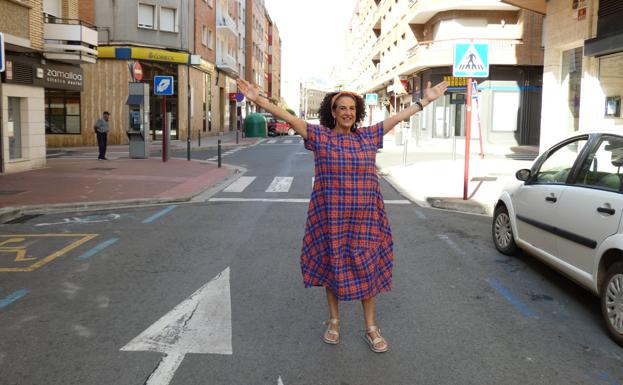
(10, 213)
(458, 204)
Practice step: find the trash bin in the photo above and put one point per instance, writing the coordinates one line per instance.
(255, 126)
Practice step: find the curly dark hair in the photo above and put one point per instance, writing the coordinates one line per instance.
(327, 119)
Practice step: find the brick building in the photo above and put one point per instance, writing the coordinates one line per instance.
(41, 98)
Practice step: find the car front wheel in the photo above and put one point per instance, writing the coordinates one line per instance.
(502, 231)
(612, 301)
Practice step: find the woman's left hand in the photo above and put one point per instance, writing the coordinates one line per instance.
(432, 93)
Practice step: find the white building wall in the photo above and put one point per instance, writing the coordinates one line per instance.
(32, 127)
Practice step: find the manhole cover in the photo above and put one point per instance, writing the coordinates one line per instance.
(102, 169)
(11, 192)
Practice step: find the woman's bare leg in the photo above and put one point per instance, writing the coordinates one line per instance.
(334, 312)
(369, 318)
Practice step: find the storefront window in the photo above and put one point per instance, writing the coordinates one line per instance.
(62, 112)
(572, 82)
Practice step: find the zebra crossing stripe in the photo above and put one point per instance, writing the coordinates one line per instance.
(280, 184)
(293, 200)
(287, 141)
(272, 141)
(242, 183)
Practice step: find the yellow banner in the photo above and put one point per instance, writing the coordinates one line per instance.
(159, 55)
(128, 53)
(106, 52)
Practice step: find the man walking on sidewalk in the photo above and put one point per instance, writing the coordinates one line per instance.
(101, 130)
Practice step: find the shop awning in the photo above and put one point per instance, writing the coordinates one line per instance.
(135, 99)
(601, 46)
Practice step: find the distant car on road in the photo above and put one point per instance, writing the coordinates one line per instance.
(567, 212)
(276, 126)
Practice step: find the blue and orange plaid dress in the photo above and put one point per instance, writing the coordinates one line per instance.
(348, 245)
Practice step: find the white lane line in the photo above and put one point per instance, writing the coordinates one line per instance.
(293, 200)
(280, 184)
(451, 243)
(242, 183)
(200, 324)
(213, 158)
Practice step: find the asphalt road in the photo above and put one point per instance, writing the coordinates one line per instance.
(459, 312)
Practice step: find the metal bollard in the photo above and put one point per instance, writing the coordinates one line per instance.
(219, 153)
(188, 149)
(237, 132)
(199, 139)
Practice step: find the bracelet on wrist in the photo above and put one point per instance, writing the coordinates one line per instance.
(419, 104)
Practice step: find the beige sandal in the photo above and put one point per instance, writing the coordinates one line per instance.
(332, 336)
(374, 342)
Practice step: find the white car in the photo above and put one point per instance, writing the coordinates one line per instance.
(567, 212)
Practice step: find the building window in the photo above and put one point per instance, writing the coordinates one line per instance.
(14, 128)
(204, 35)
(210, 39)
(146, 16)
(168, 19)
(62, 112)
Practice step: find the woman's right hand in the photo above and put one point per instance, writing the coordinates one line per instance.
(250, 91)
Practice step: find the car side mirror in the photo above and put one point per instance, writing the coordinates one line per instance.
(523, 174)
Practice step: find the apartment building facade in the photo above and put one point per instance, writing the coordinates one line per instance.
(583, 69)
(398, 46)
(46, 43)
(256, 43)
(139, 40)
(273, 64)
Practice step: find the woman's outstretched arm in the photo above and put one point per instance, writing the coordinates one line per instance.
(430, 94)
(252, 92)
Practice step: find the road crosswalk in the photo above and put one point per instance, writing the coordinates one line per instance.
(265, 189)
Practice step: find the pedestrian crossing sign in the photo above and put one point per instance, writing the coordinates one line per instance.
(471, 60)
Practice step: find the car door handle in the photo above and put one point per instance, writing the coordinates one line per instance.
(606, 210)
(552, 199)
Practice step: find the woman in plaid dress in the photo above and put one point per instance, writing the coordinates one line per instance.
(347, 247)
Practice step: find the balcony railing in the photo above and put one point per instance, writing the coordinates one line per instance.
(224, 21)
(69, 40)
(227, 64)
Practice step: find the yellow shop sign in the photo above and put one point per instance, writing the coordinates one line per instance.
(129, 53)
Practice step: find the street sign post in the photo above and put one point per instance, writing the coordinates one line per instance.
(163, 86)
(1, 52)
(371, 100)
(471, 60)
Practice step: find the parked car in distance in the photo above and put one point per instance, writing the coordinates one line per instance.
(567, 212)
(276, 126)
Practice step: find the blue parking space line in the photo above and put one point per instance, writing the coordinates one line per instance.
(604, 377)
(506, 293)
(159, 214)
(97, 249)
(12, 298)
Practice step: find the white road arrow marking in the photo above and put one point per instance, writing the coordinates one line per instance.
(200, 324)
(279, 382)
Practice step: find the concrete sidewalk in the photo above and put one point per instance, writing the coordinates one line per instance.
(433, 179)
(68, 184)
